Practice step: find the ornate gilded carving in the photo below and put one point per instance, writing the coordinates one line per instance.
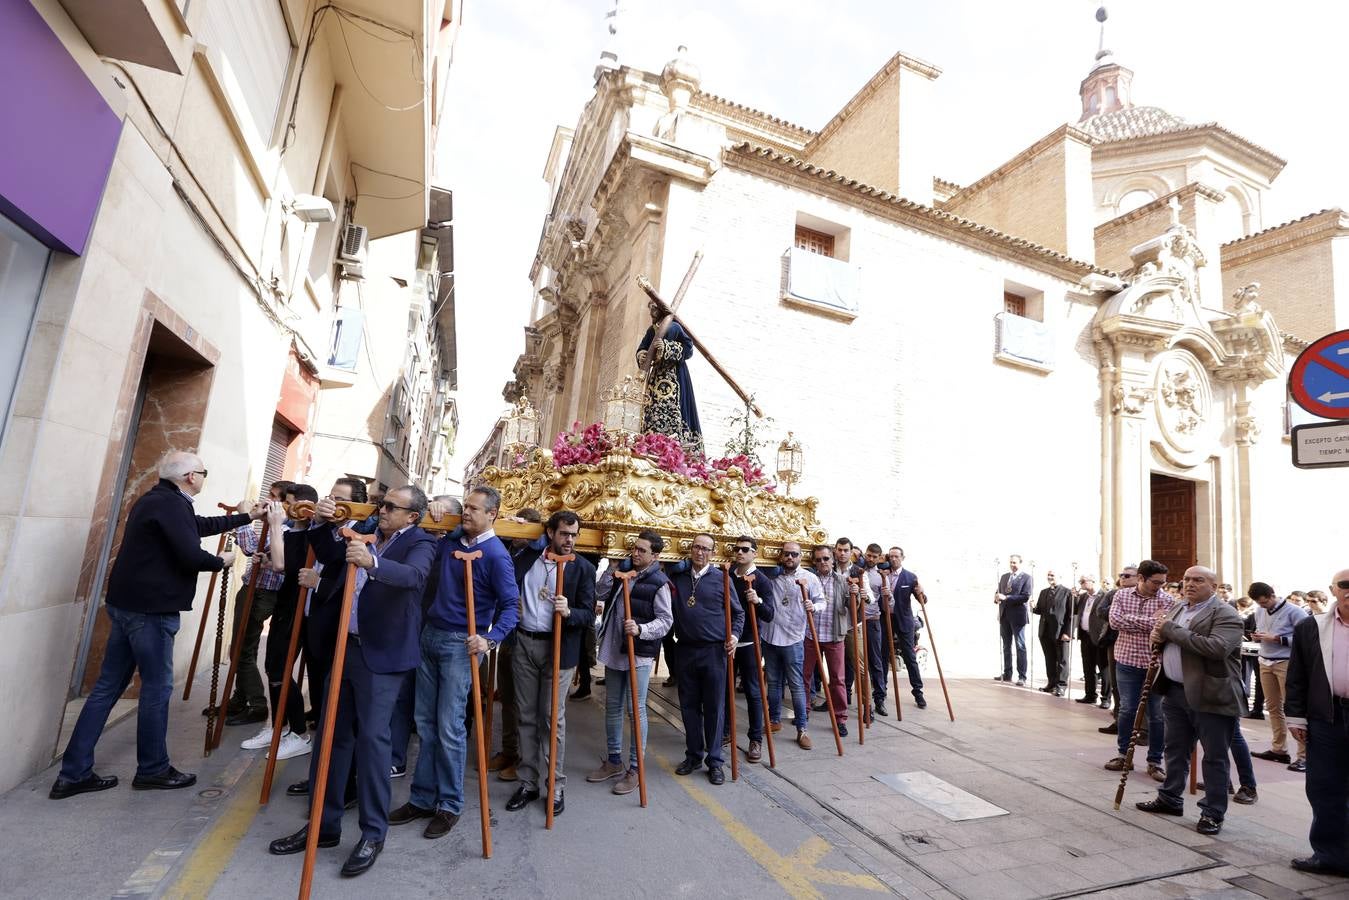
(622, 494)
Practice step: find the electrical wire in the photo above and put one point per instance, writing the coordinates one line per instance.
(365, 87)
(353, 165)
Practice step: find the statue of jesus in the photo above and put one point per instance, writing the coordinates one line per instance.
(664, 353)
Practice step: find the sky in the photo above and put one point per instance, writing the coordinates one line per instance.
(1010, 73)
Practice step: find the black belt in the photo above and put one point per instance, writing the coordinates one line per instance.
(536, 635)
(1341, 702)
(702, 643)
(353, 636)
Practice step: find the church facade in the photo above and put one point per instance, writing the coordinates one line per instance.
(1080, 358)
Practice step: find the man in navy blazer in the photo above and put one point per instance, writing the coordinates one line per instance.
(382, 647)
(1014, 589)
(903, 588)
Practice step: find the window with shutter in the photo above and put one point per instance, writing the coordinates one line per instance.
(1013, 303)
(277, 447)
(249, 46)
(814, 241)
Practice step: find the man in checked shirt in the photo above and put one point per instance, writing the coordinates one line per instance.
(1133, 613)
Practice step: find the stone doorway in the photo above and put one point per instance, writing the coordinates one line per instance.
(1175, 534)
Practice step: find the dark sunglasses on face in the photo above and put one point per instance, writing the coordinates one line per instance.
(791, 553)
(1342, 585)
(744, 549)
(389, 506)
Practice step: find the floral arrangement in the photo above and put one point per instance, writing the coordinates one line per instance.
(589, 445)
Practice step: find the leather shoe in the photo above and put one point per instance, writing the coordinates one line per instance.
(168, 780)
(95, 782)
(581, 694)
(1156, 773)
(1163, 809)
(409, 812)
(1245, 796)
(522, 797)
(1118, 764)
(1112, 728)
(249, 715)
(1058, 692)
(842, 730)
(716, 775)
(362, 857)
(1208, 826)
(1047, 689)
(1297, 765)
(821, 707)
(775, 727)
(1104, 704)
(687, 767)
(440, 824)
(1254, 715)
(755, 752)
(1085, 700)
(295, 843)
(1273, 756)
(1314, 866)
(559, 805)
(298, 789)
(1002, 677)
(879, 709)
(918, 699)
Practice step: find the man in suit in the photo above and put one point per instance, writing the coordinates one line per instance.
(382, 647)
(1012, 595)
(903, 587)
(1056, 622)
(1200, 686)
(532, 658)
(1085, 600)
(846, 563)
(153, 580)
(698, 597)
(1316, 707)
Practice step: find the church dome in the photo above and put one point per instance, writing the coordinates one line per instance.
(1132, 122)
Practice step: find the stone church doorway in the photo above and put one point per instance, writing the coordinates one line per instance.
(1174, 531)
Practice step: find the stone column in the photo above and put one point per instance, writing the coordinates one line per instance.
(1131, 489)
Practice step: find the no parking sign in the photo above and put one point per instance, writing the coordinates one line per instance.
(1319, 380)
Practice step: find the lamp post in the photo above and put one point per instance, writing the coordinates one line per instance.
(789, 461)
(623, 405)
(522, 428)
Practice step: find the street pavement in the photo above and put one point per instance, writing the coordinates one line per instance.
(816, 826)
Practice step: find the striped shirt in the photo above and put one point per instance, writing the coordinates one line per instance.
(269, 579)
(1134, 616)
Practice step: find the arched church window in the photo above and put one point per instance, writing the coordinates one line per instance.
(1134, 199)
(1231, 218)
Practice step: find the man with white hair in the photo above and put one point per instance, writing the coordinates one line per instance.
(1200, 687)
(153, 580)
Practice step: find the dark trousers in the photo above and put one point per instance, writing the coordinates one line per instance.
(1114, 674)
(278, 645)
(1328, 788)
(702, 700)
(403, 724)
(137, 642)
(1094, 660)
(1185, 726)
(247, 680)
(1056, 659)
(362, 730)
(747, 669)
(904, 645)
(1009, 634)
(583, 667)
(878, 659)
(510, 713)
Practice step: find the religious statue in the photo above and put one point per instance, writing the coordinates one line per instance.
(663, 354)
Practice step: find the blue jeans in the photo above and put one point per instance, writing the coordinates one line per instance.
(618, 706)
(780, 661)
(747, 667)
(443, 684)
(1009, 634)
(1241, 758)
(1130, 682)
(137, 641)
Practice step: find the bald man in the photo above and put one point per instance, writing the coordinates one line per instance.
(1200, 687)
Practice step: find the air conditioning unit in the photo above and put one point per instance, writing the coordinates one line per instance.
(353, 245)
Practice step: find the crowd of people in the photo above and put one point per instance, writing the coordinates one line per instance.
(809, 633)
(1190, 648)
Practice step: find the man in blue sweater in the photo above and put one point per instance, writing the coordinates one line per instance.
(1275, 620)
(444, 676)
(153, 580)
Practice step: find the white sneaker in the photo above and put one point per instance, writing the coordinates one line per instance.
(262, 739)
(292, 745)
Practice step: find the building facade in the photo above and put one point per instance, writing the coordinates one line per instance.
(172, 279)
(1079, 358)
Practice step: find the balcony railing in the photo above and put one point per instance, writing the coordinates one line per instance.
(821, 282)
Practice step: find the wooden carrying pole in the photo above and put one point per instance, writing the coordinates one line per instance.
(853, 595)
(561, 559)
(211, 710)
(319, 787)
(888, 624)
(237, 647)
(206, 608)
(279, 714)
(763, 683)
(819, 662)
(1139, 716)
(477, 704)
(626, 578)
(730, 670)
(932, 641)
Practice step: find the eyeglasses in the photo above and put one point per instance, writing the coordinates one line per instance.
(1342, 585)
(744, 549)
(201, 472)
(1126, 575)
(792, 554)
(390, 506)
(701, 548)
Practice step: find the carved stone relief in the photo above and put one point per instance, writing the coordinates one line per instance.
(1184, 405)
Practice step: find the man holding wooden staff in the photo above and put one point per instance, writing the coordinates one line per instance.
(762, 595)
(381, 649)
(532, 661)
(700, 627)
(902, 586)
(652, 618)
(444, 676)
(153, 580)
(832, 626)
(783, 640)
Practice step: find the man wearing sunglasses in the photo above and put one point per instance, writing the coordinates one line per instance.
(1317, 710)
(762, 595)
(784, 638)
(1105, 636)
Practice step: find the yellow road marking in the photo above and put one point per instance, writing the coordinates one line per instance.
(796, 873)
(215, 849)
